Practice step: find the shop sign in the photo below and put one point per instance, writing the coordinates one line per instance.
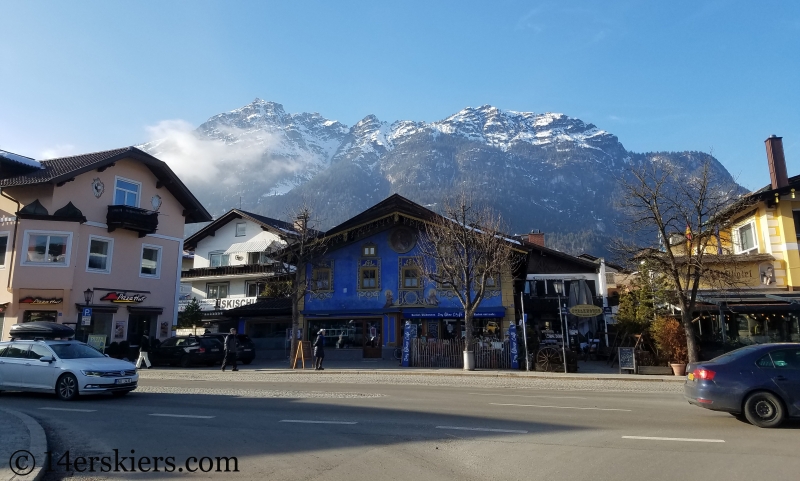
(236, 302)
(38, 301)
(422, 314)
(585, 310)
(122, 298)
(97, 341)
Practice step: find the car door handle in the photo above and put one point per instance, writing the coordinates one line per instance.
(780, 378)
(27, 364)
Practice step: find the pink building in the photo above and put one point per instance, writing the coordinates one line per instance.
(106, 228)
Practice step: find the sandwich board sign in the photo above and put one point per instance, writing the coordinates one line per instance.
(86, 316)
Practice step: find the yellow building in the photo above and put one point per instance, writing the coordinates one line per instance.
(762, 243)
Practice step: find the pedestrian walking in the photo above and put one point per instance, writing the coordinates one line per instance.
(144, 353)
(231, 346)
(319, 350)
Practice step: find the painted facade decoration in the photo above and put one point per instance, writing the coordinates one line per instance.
(368, 285)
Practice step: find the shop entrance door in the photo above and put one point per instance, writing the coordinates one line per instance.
(372, 339)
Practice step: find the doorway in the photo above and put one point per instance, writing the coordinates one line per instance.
(372, 339)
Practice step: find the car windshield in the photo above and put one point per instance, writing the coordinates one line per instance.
(75, 351)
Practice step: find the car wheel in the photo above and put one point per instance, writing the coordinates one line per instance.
(764, 409)
(119, 393)
(246, 361)
(67, 387)
(185, 361)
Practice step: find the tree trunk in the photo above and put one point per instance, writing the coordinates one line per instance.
(691, 342)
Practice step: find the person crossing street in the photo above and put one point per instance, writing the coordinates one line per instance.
(231, 346)
(144, 353)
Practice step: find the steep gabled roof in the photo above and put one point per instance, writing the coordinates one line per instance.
(275, 226)
(388, 206)
(57, 171)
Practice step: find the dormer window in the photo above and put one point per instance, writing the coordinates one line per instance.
(369, 250)
(126, 192)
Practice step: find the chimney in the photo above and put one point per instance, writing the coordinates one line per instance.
(536, 238)
(777, 162)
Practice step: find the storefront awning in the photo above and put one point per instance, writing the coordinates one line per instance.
(253, 246)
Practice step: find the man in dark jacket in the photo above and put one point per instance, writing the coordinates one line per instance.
(144, 353)
(231, 346)
(319, 350)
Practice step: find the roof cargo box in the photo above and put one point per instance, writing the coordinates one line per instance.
(41, 330)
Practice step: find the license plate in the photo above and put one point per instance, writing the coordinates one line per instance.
(215, 350)
(123, 381)
(248, 350)
(690, 376)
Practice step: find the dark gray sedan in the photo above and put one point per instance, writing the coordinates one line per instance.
(760, 382)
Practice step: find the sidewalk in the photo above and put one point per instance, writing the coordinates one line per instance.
(21, 432)
(586, 371)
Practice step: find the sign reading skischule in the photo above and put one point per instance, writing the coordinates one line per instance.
(585, 310)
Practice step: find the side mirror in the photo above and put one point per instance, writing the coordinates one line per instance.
(47, 359)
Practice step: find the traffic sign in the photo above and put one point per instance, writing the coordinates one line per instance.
(86, 316)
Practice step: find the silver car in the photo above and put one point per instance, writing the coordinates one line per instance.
(67, 368)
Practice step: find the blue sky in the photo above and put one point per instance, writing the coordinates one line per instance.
(682, 75)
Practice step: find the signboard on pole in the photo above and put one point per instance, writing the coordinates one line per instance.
(86, 316)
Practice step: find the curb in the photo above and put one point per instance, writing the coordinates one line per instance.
(522, 375)
(37, 446)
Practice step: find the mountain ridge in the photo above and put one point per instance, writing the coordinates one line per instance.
(549, 171)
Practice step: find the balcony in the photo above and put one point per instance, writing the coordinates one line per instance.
(138, 220)
(239, 270)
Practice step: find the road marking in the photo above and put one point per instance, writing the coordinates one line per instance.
(72, 410)
(483, 429)
(305, 421)
(181, 416)
(560, 407)
(692, 440)
(525, 395)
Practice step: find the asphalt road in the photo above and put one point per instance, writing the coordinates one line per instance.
(327, 431)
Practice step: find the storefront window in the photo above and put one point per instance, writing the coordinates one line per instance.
(269, 335)
(761, 328)
(31, 316)
(339, 334)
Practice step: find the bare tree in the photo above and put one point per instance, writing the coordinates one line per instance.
(463, 250)
(676, 224)
(304, 244)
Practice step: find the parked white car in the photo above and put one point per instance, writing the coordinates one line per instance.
(68, 368)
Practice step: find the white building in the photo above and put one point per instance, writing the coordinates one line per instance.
(228, 264)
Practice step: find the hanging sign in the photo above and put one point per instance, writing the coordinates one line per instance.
(122, 298)
(39, 301)
(585, 310)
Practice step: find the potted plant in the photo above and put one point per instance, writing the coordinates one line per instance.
(670, 339)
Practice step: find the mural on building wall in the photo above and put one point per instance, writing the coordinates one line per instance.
(402, 239)
(392, 287)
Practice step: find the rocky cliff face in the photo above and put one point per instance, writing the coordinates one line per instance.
(541, 171)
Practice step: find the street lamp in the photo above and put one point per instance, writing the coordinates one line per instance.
(88, 294)
(558, 285)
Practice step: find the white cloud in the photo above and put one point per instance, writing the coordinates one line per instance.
(62, 150)
(202, 160)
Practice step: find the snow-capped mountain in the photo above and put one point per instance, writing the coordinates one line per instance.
(541, 171)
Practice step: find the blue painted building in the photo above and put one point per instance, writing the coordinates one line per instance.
(367, 285)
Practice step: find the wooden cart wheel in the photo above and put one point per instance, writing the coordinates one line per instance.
(549, 359)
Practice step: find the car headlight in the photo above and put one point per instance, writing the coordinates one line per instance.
(93, 373)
